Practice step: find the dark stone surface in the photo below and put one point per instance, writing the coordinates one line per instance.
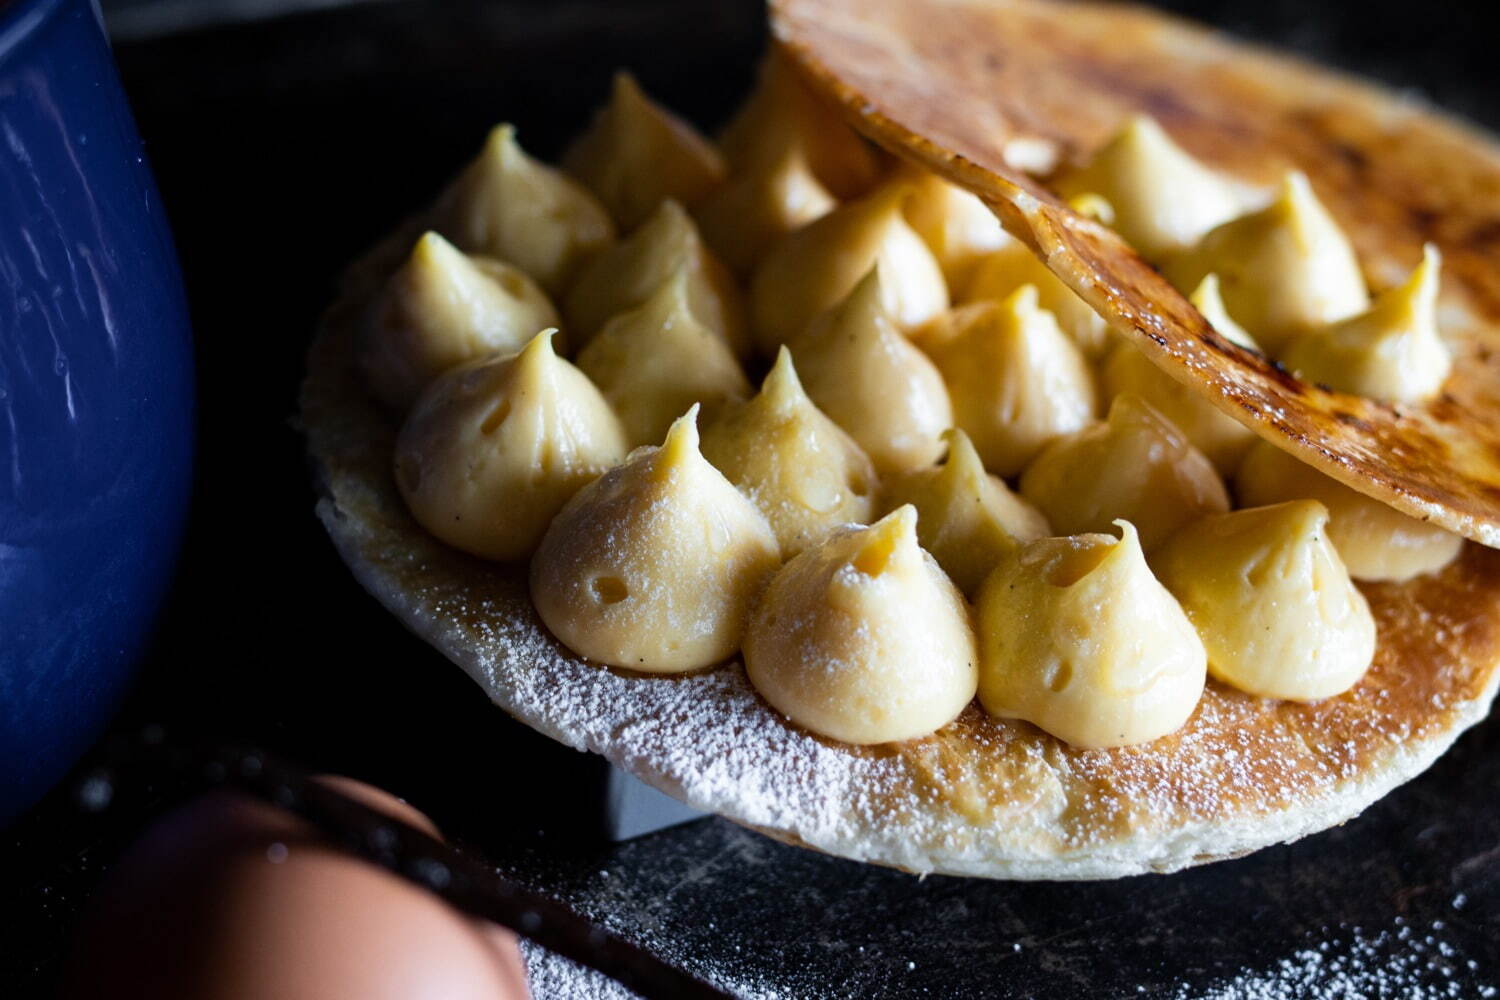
(281, 150)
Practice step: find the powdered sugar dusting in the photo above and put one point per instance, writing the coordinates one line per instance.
(553, 977)
(1402, 960)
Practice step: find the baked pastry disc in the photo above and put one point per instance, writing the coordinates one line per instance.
(984, 796)
(982, 90)
(998, 798)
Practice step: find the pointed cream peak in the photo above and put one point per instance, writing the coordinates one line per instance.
(1412, 305)
(536, 363)
(1022, 303)
(625, 90)
(1092, 553)
(1142, 140)
(670, 220)
(670, 300)
(1094, 206)
(1306, 518)
(681, 443)
(1298, 203)
(440, 272)
(1130, 539)
(1295, 192)
(963, 463)
(445, 278)
(1315, 228)
(886, 541)
(782, 389)
(865, 303)
(1142, 128)
(1209, 302)
(432, 251)
(538, 352)
(860, 314)
(501, 145)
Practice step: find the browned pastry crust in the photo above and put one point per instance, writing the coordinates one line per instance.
(966, 86)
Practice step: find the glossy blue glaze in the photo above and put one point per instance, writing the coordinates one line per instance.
(96, 398)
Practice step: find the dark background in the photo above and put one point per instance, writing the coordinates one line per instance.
(285, 143)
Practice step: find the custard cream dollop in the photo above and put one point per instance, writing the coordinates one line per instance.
(626, 274)
(863, 639)
(1077, 637)
(1208, 299)
(635, 154)
(441, 308)
(799, 467)
(1283, 270)
(760, 205)
(956, 226)
(655, 565)
(1221, 438)
(1376, 542)
(781, 114)
(812, 269)
(654, 361)
(966, 517)
(493, 449)
(861, 371)
(1272, 601)
(1391, 352)
(1163, 200)
(1015, 380)
(1136, 465)
(998, 275)
(507, 205)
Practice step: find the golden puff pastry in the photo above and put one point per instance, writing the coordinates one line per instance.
(814, 268)
(1077, 637)
(782, 114)
(1162, 200)
(1272, 601)
(655, 565)
(507, 205)
(760, 205)
(863, 638)
(626, 274)
(1283, 270)
(654, 361)
(441, 308)
(636, 154)
(493, 449)
(1015, 380)
(1391, 352)
(1375, 541)
(966, 517)
(1135, 466)
(861, 371)
(799, 467)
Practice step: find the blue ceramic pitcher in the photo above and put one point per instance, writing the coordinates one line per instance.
(96, 398)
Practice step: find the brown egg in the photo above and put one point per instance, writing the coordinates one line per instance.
(231, 899)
